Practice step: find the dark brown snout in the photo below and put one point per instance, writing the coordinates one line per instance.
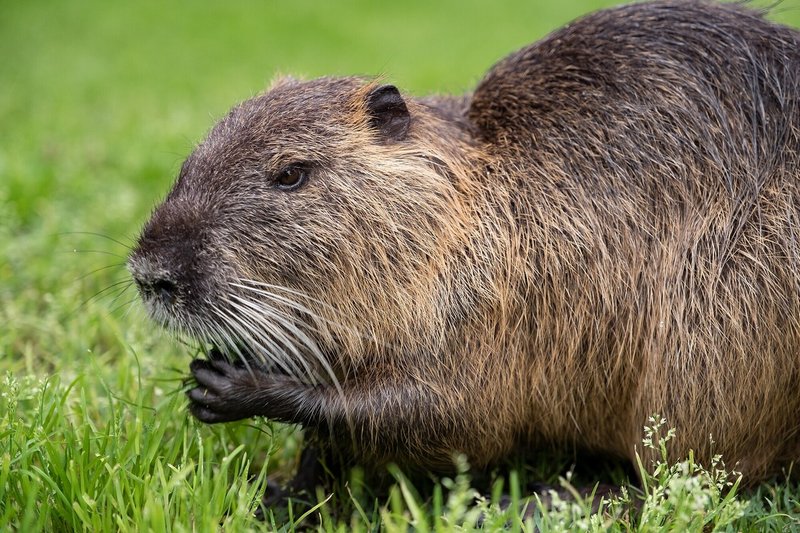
(171, 263)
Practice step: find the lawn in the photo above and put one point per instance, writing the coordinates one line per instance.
(99, 104)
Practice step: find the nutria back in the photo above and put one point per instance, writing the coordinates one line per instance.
(608, 228)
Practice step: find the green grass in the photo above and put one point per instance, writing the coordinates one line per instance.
(99, 103)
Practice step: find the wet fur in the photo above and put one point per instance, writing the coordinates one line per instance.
(607, 228)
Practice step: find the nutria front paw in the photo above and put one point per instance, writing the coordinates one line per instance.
(218, 394)
(225, 393)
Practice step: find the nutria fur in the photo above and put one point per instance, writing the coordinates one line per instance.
(607, 228)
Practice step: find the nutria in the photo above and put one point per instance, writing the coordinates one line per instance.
(607, 228)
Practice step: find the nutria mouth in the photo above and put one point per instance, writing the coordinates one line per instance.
(216, 354)
(241, 357)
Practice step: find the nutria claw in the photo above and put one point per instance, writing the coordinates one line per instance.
(225, 393)
(214, 399)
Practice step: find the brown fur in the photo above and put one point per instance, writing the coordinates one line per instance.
(607, 228)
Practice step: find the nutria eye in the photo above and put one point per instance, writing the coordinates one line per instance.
(291, 178)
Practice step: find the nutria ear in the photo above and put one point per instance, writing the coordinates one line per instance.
(388, 113)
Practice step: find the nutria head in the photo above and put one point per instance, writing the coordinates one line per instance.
(315, 218)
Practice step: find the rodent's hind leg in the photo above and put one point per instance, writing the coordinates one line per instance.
(314, 470)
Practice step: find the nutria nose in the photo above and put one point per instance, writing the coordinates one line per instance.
(153, 281)
(161, 288)
(167, 262)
